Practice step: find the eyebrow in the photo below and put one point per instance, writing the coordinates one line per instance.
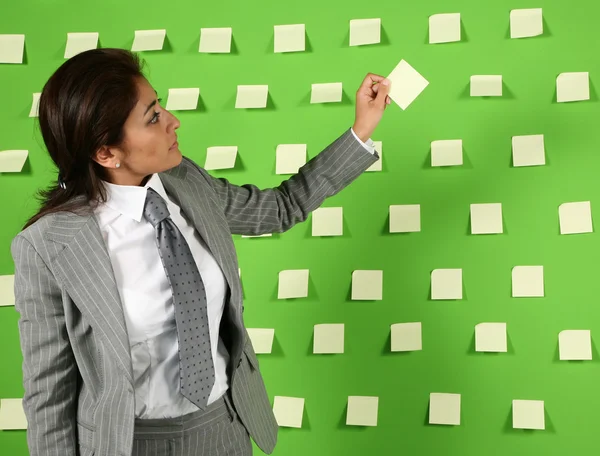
(150, 105)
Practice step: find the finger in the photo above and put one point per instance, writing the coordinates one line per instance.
(382, 92)
(369, 80)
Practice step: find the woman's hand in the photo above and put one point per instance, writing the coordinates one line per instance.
(371, 100)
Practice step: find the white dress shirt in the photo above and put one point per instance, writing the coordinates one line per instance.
(147, 300)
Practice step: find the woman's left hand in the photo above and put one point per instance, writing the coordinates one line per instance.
(371, 100)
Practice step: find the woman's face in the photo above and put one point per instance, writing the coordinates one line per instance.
(150, 143)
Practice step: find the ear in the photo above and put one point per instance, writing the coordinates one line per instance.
(104, 156)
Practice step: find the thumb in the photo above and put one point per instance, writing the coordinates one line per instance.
(383, 90)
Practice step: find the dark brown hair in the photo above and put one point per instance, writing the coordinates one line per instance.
(83, 107)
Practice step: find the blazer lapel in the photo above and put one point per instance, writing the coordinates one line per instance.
(86, 272)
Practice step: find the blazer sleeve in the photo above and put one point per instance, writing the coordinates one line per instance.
(252, 211)
(49, 369)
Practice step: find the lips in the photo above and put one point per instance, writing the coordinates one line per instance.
(175, 144)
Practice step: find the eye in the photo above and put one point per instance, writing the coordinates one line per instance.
(155, 117)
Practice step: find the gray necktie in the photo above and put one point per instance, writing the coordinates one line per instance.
(197, 374)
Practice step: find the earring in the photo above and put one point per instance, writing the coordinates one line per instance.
(118, 165)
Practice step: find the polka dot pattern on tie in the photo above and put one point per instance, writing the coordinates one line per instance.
(197, 374)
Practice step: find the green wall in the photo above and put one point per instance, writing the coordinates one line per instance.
(530, 197)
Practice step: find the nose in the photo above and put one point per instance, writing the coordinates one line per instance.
(174, 123)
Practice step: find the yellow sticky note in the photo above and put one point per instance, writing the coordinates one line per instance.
(528, 150)
(80, 42)
(148, 40)
(252, 96)
(328, 221)
(220, 157)
(12, 161)
(575, 345)
(290, 158)
(35, 105)
(326, 93)
(444, 28)
(216, 40)
(328, 339)
(490, 337)
(365, 31)
(528, 281)
(406, 337)
(293, 284)
(288, 411)
(573, 87)
(262, 339)
(446, 284)
(7, 290)
(378, 165)
(448, 152)
(486, 218)
(290, 38)
(528, 415)
(405, 218)
(575, 218)
(526, 23)
(406, 84)
(12, 415)
(12, 48)
(362, 411)
(367, 285)
(183, 99)
(486, 86)
(444, 408)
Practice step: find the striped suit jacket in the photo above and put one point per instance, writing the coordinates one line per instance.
(77, 368)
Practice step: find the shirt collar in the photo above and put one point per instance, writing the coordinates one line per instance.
(129, 200)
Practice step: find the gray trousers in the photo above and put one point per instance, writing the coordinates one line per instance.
(216, 431)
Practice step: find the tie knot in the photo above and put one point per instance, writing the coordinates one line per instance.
(155, 208)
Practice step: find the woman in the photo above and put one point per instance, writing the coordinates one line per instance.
(127, 282)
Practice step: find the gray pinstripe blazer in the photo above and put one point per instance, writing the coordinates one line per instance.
(77, 369)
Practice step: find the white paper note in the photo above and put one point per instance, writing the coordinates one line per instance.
(405, 218)
(328, 221)
(406, 84)
(149, 40)
(290, 38)
(215, 40)
(326, 93)
(12, 415)
(444, 28)
(446, 284)
(407, 337)
(262, 339)
(12, 48)
(329, 339)
(528, 414)
(251, 96)
(575, 345)
(448, 152)
(526, 22)
(444, 408)
(293, 284)
(7, 290)
(257, 236)
(573, 87)
(365, 31)
(575, 218)
(367, 285)
(80, 42)
(528, 150)
(12, 161)
(288, 411)
(290, 158)
(486, 86)
(183, 99)
(528, 281)
(35, 105)
(490, 337)
(486, 218)
(362, 411)
(377, 166)
(220, 157)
